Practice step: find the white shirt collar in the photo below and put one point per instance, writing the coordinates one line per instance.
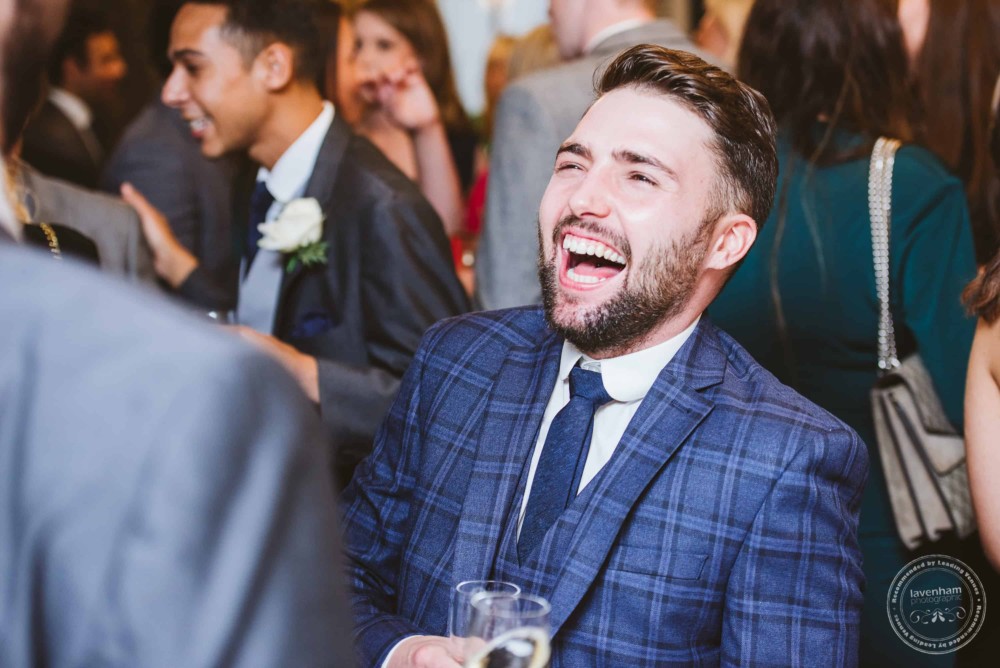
(74, 107)
(629, 377)
(610, 31)
(290, 175)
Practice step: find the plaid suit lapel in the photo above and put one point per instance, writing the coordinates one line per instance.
(672, 410)
(511, 420)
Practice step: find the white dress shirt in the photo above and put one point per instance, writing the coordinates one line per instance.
(287, 180)
(627, 379)
(72, 106)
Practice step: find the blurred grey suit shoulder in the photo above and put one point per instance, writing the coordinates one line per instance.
(110, 223)
(158, 155)
(164, 495)
(536, 113)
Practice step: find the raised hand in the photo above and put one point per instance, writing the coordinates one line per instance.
(171, 260)
(407, 99)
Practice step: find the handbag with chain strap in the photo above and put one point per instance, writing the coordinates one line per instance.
(922, 454)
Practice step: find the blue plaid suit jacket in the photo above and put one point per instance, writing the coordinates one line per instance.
(721, 532)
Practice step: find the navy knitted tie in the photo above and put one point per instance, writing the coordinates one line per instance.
(260, 201)
(560, 466)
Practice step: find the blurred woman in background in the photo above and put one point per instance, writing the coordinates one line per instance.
(804, 303)
(409, 103)
(954, 52)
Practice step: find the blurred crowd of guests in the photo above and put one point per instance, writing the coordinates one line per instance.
(451, 225)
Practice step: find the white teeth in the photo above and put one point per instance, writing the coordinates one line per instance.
(198, 124)
(586, 247)
(580, 278)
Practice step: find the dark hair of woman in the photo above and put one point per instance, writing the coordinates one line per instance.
(955, 73)
(420, 23)
(982, 295)
(825, 65)
(837, 61)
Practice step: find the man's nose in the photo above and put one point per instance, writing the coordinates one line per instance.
(174, 93)
(590, 197)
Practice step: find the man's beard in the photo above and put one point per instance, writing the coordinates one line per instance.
(652, 292)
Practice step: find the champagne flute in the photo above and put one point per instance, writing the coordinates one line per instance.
(508, 631)
(460, 606)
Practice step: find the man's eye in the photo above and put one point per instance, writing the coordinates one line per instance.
(565, 166)
(642, 178)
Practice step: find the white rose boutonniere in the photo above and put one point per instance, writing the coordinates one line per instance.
(296, 232)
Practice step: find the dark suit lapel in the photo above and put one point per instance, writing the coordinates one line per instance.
(321, 187)
(666, 419)
(510, 425)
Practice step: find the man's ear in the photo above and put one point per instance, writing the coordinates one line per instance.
(734, 235)
(275, 66)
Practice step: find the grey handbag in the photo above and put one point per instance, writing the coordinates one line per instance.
(922, 455)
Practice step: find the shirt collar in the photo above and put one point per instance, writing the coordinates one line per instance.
(611, 31)
(290, 175)
(629, 377)
(73, 106)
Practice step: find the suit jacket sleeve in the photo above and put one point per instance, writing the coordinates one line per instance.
(794, 595)
(376, 503)
(407, 284)
(523, 151)
(232, 555)
(157, 170)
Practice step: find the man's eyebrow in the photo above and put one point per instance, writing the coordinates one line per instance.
(576, 149)
(631, 157)
(185, 53)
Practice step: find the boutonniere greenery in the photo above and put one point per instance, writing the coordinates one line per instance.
(296, 232)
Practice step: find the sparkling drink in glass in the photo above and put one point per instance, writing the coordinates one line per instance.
(508, 631)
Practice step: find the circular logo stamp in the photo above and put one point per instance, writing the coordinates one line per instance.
(936, 604)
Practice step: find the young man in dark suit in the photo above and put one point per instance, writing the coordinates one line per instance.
(84, 73)
(614, 452)
(344, 306)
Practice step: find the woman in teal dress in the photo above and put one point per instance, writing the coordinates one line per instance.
(804, 301)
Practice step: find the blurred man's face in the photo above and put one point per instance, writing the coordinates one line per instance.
(97, 79)
(223, 100)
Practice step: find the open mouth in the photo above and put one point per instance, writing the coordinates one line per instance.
(590, 262)
(198, 126)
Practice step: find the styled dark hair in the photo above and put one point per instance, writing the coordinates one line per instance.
(982, 295)
(742, 124)
(955, 72)
(420, 23)
(252, 25)
(841, 61)
(82, 23)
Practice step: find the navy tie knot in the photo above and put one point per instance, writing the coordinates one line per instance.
(588, 385)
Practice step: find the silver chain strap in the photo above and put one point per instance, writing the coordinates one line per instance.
(880, 213)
